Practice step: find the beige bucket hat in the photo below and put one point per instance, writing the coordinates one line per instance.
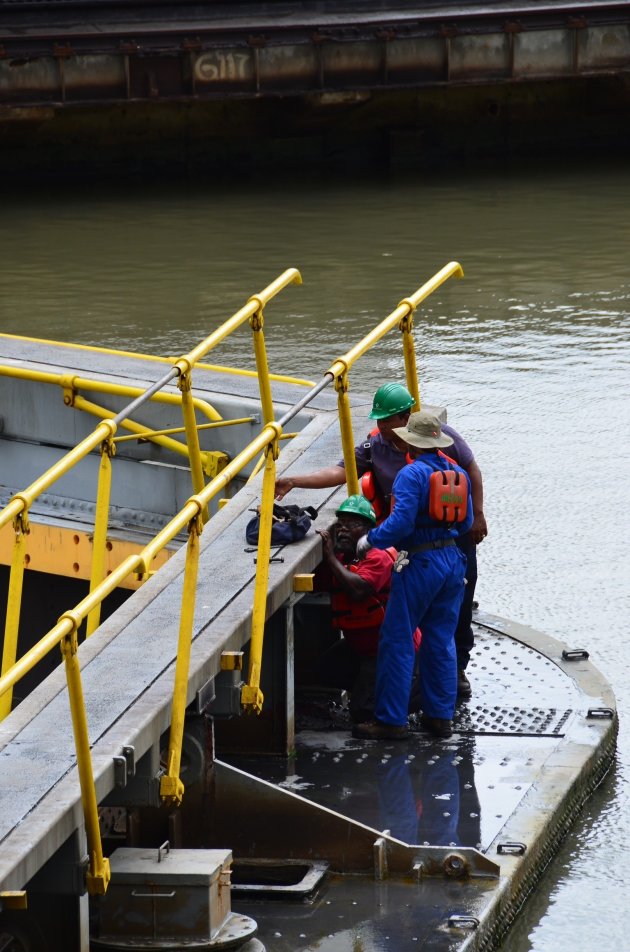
(423, 430)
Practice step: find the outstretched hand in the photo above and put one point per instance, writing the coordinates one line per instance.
(283, 486)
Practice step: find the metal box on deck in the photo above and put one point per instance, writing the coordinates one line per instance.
(158, 898)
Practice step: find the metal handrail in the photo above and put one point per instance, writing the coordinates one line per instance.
(65, 632)
(191, 515)
(237, 371)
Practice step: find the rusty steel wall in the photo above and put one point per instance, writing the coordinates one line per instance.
(66, 60)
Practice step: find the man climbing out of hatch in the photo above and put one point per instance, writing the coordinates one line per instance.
(432, 507)
(359, 593)
(379, 460)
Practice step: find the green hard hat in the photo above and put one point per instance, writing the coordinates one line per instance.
(359, 506)
(389, 399)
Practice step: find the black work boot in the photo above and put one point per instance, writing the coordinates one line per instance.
(377, 730)
(464, 689)
(438, 726)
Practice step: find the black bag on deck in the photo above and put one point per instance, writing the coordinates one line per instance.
(290, 524)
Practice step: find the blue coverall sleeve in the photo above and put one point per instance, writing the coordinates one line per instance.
(409, 490)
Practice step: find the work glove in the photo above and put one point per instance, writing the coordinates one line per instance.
(363, 547)
(401, 561)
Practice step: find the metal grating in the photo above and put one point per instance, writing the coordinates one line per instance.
(533, 721)
(516, 690)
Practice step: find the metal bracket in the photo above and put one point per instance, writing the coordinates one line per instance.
(205, 696)
(463, 922)
(513, 849)
(606, 713)
(380, 857)
(575, 654)
(227, 691)
(124, 766)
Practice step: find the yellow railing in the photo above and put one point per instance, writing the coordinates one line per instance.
(65, 632)
(17, 509)
(401, 317)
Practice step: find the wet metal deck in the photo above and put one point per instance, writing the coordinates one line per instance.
(527, 750)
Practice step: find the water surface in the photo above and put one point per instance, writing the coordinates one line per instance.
(530, 353)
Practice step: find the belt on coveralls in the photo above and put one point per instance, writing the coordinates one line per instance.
(426, 546)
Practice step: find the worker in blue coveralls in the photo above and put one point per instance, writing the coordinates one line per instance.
(426, 592)
(379, 460)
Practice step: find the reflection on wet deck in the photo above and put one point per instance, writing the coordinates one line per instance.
(457, 792)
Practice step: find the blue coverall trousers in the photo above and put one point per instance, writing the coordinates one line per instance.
(427, 593)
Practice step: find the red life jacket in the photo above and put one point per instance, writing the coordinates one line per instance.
(368, 613)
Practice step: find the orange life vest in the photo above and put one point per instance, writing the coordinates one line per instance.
(371, 490)
(368, 613)
(448, 496)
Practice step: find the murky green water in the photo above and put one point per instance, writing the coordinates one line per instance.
(530, 353)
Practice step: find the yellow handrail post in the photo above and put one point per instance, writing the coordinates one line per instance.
(192, 436)
(101, 520)
(14, 603)
(347, 439)
(411, 371)
(257, 322)
(251, 696)
(171, 787)
(98, 874)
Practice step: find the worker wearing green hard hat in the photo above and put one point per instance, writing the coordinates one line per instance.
(359, 590)
(379, 460)
(391, 399)
(358, 506)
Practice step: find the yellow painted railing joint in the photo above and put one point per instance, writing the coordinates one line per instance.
(108, 447)
(184, 365)
(25, 501)
(410, 305)
(98, 876)
(171, 790)
(184, 381)
(69, 644)
(405, 325)
(252, 699)
(67, 382)
(21, 522)
(257, 320)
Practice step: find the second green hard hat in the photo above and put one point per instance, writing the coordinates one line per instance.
(358, 506)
